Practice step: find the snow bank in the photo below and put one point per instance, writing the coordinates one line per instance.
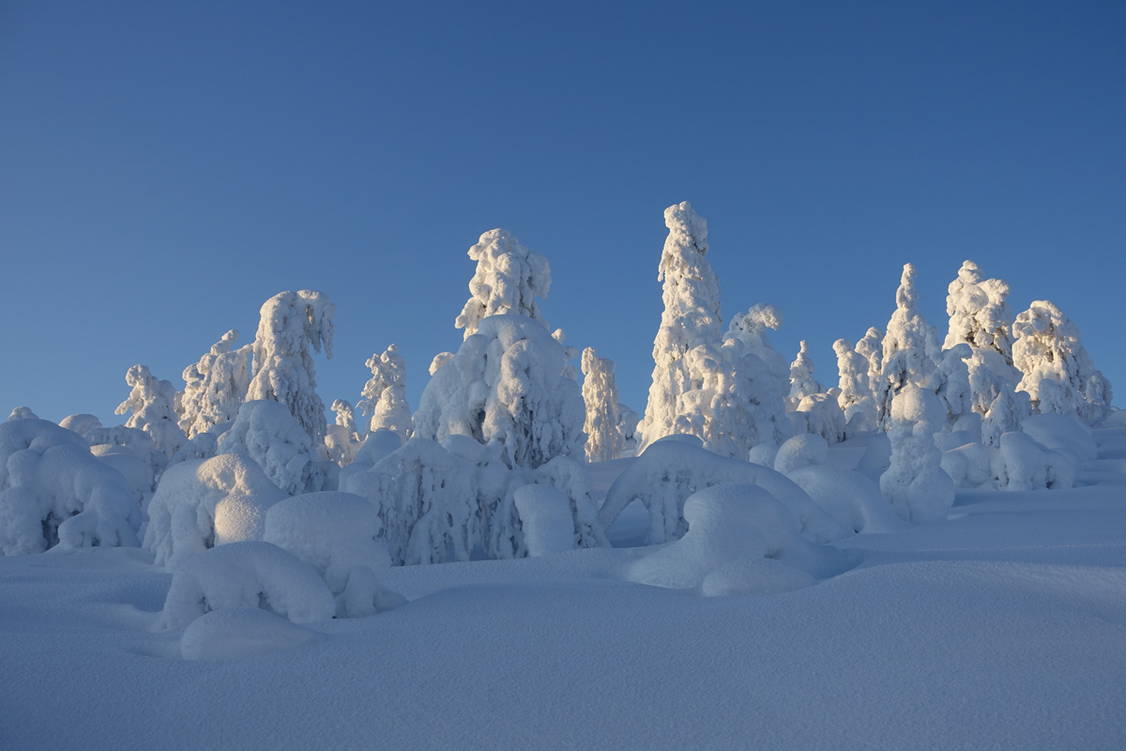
(224, 635)
(245, 575)
(200, 504)
(672, 469)
(1063, 433)
(726, 523)
(53, 491)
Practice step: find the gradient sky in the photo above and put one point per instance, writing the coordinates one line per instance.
(166, 167)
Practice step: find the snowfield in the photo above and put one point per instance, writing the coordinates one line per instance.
(1003, 627)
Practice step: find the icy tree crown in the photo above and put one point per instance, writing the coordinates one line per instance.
(151, 405)
(509, 279)
(291, 326)
(603, 428)
(384, 396)
(215, 386)
(977, 310)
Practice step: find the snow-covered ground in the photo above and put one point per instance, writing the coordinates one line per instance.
(1003, 627)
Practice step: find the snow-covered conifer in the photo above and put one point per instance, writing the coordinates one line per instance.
(508, 279)
(151, 406)
(603, 416)
(909, 348)
(215, 386)
(627, 426)
(341, 440)
(978, 314)
(855, 392)
(691, 317)
(291, 324)
(569, 353)
(1058, 374)
(385, 394)
(802, 382)
(871, 348)
(915, 483)
(438, 361)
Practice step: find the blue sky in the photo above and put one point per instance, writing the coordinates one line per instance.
(167, 167)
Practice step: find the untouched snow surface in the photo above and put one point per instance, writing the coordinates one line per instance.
(1003, 627)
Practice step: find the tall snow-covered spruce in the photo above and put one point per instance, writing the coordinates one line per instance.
(691, 318)
(384, 396)
(509, 279)
(215, 386)
(802, 382)
(603, 427)
(909, 347)
(855, 392)
(291, 326)
(151, 406)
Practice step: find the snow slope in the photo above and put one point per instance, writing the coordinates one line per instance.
(1003, 627)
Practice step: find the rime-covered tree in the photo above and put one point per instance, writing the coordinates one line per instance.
(854, 391)
(151, 406)
(509, 279)
(603, 415)
(691, 318)
(915, 483)
(871, 348)
(215, 386)
(438, 361)
(1058, 374)
(385, 394)
(291, 326)
(341, 439)
(909, 348)
(569, 354)
(765, 371)
(802, 382)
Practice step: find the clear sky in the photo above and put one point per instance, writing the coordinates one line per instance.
(166, 167)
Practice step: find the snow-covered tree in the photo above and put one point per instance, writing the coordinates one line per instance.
(909, 348)
(603, 415)
(569, 354)
(802, 382)
(855, 392)
(978, 314)
(1058, 374)
(151, 406)
(952, 382)
(691, 318)
(385, 394)
(291, 326)
(215, 386)
(915, 483)
(341, 440)
(765, 371)
(627, 426)
(871, 348)
(438, 361)
(508, 279)
(268, 433)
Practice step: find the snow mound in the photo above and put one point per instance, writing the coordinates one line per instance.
(225, 635)
(53, 491)
(545, 515)
(802, 450)
(672, 469)
(754, 576)
(331, 531)
(267, 432)
(245, 575)
(200, 504)
(1023, 464)
(1063, 433)
(730, 522)
(364, 595)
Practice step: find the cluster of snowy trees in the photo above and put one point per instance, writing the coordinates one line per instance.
(494, 461)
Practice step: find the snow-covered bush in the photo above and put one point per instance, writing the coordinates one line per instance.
(802, 382)
(915, 484)
(53, 491)
(203, 503)
(266, 432)
(673, 468)
(691, 318)
(628, 420)
(764, 371)
(245, 575)
(603, 416)
(341, 439)
(128, 450)
(821, 415)
(384, 395)
(506, 384)
(734, 522)
(1023, 464)
(215, 386)
(507, 280)
(969, 465)
(1058, 374)
(290, 326)
(151, 406)
(854, 392)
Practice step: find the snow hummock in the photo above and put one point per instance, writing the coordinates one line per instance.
(545, 517)
(238, 633)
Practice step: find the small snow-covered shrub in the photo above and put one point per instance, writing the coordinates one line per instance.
(267, 433)
(331, 531)
(224, 635)
(729, 522)
(53, 491)
(672, 469)
(203, 503)
(821, 415)
(245, 575)
(969, 465)
(1023, 464)
(545, 516)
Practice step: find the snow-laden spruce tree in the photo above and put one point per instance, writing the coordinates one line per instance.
(291, 326)
(691, 318)
(215, 386)
(871, 348)
(915, 483)
(603, 414)
(151, 406)
(509, 279)
(385, 394)
(342, 442)
(268, 433)
(765, 370)
(909, 348)
(802, 382)
(855, 392)
(1058, 374)
(507, 382)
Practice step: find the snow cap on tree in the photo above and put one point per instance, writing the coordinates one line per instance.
(802, 382)
(690, 318)
(855, 392)
(385, 393)
(215, 386)
(151, 405)
(291, 326)
(603, 428)
(910, 347)
(978, 314)
(508, 279)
